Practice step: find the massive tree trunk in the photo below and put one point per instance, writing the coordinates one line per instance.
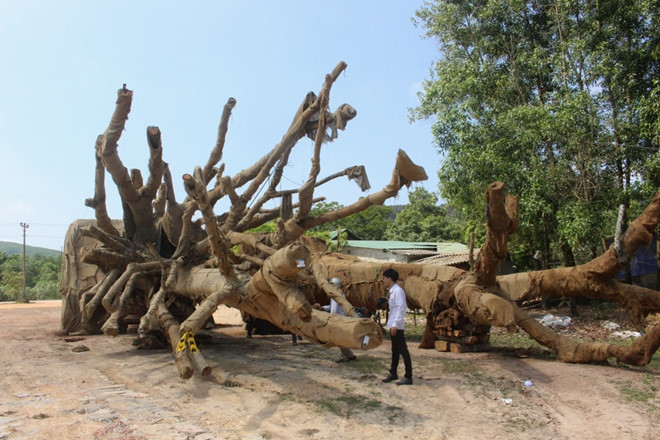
(168, 273)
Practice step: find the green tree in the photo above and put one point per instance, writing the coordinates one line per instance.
(42, 277)
(11, 277)
(543, 96)
(369, 224)
(46, 277)
(422, 220)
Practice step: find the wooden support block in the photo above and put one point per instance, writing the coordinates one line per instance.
(471, 340)
(459, 333)
(456, 348)
(460, 348)
(131, 319)
(442, 345)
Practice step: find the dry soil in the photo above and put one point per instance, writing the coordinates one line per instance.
(98, 387)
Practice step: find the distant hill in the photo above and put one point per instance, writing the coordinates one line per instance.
(10, 248)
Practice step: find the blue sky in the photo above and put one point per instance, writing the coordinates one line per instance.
(61, 63)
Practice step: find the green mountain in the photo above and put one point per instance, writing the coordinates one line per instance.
(10, 248)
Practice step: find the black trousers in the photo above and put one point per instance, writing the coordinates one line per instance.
(400, 348)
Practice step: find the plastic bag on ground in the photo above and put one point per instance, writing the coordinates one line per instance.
(555, 321)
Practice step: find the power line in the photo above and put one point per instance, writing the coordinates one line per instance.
(37, 224)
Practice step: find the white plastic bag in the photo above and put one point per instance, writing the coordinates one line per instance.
(555, 321)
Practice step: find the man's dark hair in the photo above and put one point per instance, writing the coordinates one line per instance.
(392, 274)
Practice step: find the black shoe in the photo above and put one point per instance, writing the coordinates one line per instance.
(405, 381)
(390, 377)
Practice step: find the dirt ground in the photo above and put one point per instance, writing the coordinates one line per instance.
(267, 388)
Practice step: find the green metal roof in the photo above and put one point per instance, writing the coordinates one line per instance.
(351, 235)
(451, 248)
(442, 247)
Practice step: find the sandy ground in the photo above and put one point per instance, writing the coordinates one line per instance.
(266, 388)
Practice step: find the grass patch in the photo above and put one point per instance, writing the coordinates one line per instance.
(462, 368)
(286, 397)
(351, 404)
(415, 331)
(516, 424)
(641, 392)
(468, 370)
(61, 347)
(516, 340)
(471, 374)
(329, 405)
(603, 310)
(367, 365)
(655, 362)
(392, 412)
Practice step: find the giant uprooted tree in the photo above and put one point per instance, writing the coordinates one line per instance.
(172, 271)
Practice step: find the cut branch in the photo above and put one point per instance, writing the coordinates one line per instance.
(405, 173)
(195, 188)
(216, 153)
(295, 132)
(502, 221)
(156, 164)
(306, 193)
(98, 202)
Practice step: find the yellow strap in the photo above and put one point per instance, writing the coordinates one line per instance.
(192, 345)
(182, 343)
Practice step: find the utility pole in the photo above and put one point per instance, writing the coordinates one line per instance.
(24, 299)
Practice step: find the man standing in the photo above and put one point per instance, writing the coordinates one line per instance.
(396, 326)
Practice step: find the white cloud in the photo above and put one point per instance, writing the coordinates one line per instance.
(16, 208)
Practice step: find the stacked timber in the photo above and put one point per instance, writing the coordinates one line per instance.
(457, 334)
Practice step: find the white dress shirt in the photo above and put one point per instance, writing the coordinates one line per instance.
(334, 307)
(398, 308)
